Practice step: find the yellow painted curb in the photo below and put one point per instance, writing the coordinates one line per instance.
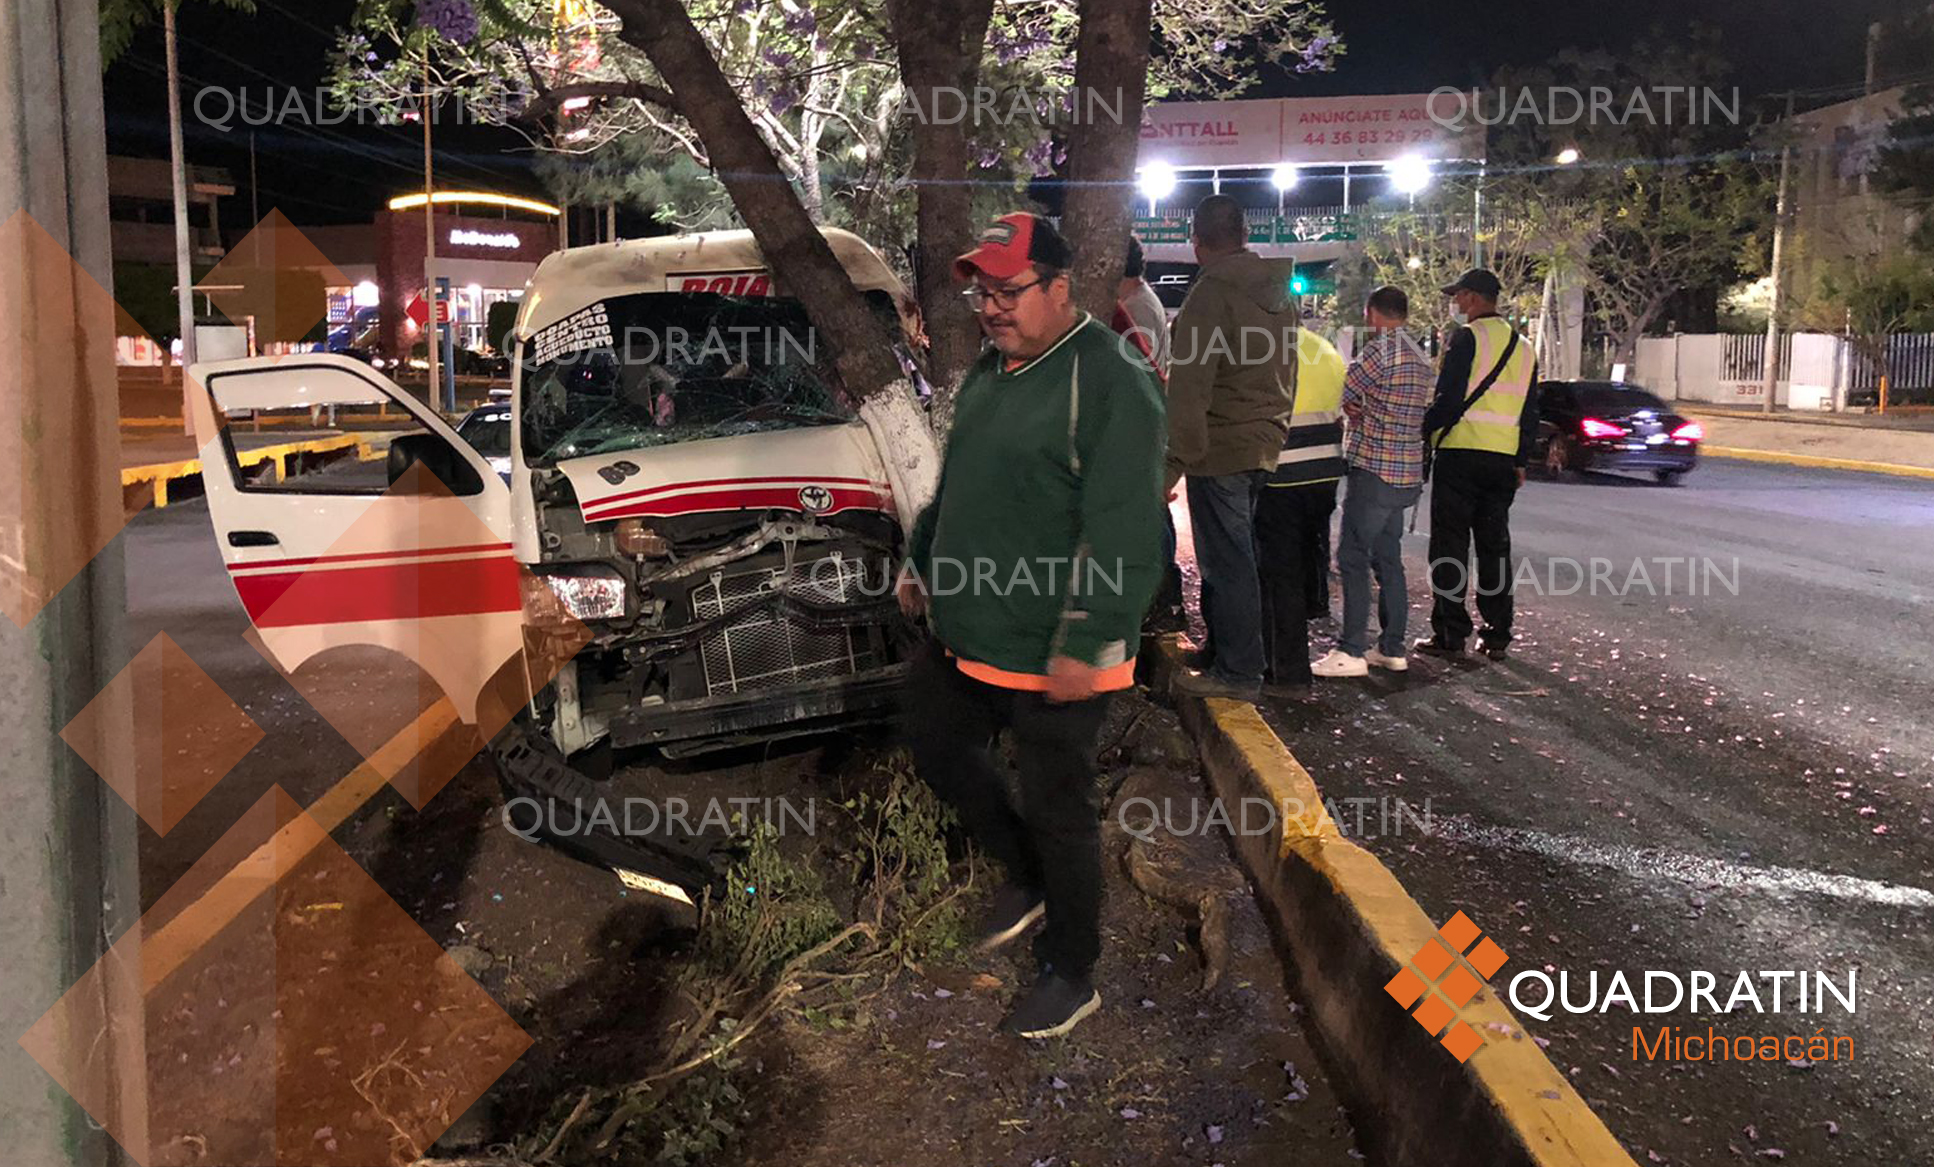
(160, 474)
(1348, 927)
(1816, 461)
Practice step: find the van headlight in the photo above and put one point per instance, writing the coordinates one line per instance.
(589, 594)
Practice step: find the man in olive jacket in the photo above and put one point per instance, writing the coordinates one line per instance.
(1035, 563)
(1232, 381)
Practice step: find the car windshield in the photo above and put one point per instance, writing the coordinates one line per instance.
(653, 369)
(1617, 399)
(487, 432)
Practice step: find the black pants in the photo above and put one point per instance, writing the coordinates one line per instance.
(1470, 502)
(1292, 535)
(1316, 576)
(1052, 842)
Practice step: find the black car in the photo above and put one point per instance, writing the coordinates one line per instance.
(1606, 425)
(487, 429)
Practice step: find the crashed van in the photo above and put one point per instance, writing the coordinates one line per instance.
(703, 508)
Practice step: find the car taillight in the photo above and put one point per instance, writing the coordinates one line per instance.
(1691, 431)
(1594, 428)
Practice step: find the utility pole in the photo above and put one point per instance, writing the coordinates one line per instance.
(430, 328)
(184, 272)
(1770, 363)
(68, 843)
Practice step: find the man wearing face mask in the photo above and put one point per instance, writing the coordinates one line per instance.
(1035, 562)
(1481, 427)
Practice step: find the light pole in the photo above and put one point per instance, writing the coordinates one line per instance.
(1409, 175)
(178, 160)
(1770, 362)
(1283, 178)
(1157, 182)
(431, 328)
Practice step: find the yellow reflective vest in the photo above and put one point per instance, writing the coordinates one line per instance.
(1491, 423)
(1313, 449)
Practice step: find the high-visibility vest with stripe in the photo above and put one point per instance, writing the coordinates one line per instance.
(1491, 423)
(1313, 451)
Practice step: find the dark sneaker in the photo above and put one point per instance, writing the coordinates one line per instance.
(1015, 910)
(1210, 685)
(1498, 649)
(1431, 646)
(1198, 658)
(1052, 1007)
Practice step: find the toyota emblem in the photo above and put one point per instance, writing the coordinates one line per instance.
(816, 500)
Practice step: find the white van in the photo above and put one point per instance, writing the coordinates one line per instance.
(712, 515)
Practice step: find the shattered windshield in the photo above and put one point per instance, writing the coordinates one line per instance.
(634, 372)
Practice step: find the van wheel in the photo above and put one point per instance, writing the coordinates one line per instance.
(1669, 477)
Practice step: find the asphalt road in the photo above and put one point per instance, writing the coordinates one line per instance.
(1727, 768)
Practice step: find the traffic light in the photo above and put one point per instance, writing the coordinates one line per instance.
(1298, 285)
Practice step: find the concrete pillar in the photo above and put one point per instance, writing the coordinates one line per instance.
(67, 843)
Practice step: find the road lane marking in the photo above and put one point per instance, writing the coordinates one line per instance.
(1659, 863)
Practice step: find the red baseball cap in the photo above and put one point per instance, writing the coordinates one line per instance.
(1010, 244)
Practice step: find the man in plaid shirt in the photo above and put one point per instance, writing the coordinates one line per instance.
(1385, 395)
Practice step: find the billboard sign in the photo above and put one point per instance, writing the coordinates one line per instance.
(1303, 130)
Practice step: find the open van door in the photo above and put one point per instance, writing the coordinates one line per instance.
(349, 513)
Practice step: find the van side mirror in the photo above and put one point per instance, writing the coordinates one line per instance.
(436, 456)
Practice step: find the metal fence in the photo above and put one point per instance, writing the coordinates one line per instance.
(1911, 358)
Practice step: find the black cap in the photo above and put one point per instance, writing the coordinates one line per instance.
(1479, 280)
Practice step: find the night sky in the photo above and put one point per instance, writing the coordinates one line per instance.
(344, 173)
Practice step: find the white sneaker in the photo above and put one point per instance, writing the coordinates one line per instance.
(1395, 664)
(1337, 663)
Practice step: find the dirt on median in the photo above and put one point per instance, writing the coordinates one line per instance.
(891, 1057)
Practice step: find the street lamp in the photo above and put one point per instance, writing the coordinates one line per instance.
(1568, 155)
(1282, 178)
(1410, 174)
(1157, 182)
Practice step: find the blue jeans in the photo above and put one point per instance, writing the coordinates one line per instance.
(1222, 509)
(1372, 540)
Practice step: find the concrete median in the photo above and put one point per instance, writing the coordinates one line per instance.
(1819, 443)
(1347, 927)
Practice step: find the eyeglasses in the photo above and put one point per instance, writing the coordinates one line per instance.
(1003, 298)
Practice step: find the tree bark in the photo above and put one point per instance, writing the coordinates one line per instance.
(940, 46)
(1110, 69)
(797, 253)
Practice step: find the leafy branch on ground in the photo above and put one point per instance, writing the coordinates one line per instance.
(775, 942)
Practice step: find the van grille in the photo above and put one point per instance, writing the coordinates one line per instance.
(767, 649)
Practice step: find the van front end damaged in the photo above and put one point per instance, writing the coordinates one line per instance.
(716, 629)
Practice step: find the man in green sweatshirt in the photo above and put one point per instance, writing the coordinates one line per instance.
(1035, 563)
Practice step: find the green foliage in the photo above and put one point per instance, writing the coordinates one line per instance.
(774, 908)
(820, 81)
(146, 291)
(121, 20)
(902, 863)
(1904, 166)
(1875, 297)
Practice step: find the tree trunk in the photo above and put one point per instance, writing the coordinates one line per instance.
(940, 47)
(1110, 69)
(791, 244)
